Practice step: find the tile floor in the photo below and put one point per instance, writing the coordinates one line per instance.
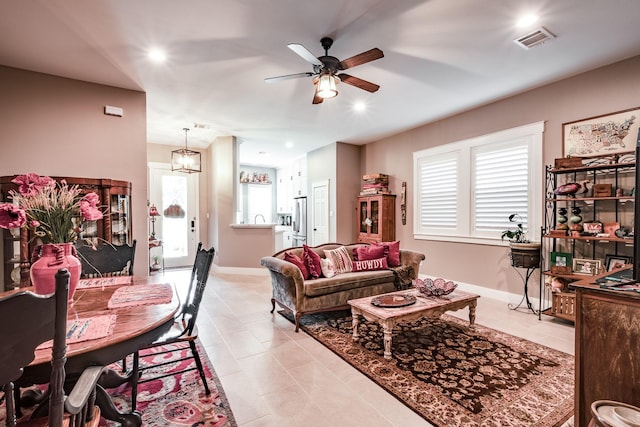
(275, 377)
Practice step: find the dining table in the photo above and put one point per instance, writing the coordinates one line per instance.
(109, 318)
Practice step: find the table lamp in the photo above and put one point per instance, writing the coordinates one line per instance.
(153, 213)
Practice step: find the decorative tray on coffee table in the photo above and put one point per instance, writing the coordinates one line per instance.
(393, 300)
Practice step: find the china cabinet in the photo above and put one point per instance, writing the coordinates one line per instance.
(589, 210)
(376, 218)
(114, 227)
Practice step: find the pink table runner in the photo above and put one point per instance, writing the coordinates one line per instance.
(100, 282)
(128, 296)
(85, 329)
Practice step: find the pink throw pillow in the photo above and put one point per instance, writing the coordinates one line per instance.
(370, 264)
(312, 260)
(298, 262)
(392, 252)
(328, 269)
(363, 253)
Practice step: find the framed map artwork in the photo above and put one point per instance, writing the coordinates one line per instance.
(601, 135)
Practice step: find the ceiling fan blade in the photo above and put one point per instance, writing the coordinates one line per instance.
(357, 82)
(304, 53)
(361, 58)
(287, 77)
(317, 99)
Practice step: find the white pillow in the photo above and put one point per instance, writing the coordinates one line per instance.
(328, 269)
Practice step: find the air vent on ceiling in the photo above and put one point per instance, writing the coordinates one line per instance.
(535, 38)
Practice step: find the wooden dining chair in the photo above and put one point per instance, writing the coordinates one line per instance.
(106, 259)
(26, 321)
(183, 331)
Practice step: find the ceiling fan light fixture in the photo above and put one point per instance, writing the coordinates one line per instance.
(327, 86)
(185, 160)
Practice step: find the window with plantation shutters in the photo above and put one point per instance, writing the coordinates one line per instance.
(466, 190)
(437, 185)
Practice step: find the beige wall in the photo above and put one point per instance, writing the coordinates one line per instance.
(56, 126)
(337, 163)
(348, 183)
(608, 89)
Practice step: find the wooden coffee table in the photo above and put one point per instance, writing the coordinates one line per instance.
(432, 307)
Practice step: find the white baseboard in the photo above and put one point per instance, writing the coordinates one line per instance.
(507, 297)
(240, 270)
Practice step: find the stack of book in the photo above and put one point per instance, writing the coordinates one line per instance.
(377, 183)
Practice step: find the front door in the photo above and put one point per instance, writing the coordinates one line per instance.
(174, 193)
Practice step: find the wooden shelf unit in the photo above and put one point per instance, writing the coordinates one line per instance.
(614, 208)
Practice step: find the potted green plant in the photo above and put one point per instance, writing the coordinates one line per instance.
(524, 253)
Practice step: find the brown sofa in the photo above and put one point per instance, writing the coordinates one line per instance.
(291, 291)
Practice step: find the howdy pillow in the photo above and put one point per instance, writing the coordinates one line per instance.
(370, 264)
(298, 262)
(363, 253)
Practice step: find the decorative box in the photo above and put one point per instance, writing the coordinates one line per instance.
(568, 162)
(602, 190)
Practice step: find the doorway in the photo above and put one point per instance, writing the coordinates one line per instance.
(320, 213)
(175, 194)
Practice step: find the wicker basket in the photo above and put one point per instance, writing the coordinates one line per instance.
(563, 305)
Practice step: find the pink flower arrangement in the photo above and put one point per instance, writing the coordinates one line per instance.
(52, 210)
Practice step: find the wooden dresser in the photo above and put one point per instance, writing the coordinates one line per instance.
(607, 347)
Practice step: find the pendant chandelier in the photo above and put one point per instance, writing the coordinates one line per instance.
(185, 160)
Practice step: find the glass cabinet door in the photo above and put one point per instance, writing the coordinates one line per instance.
(120, 227)
(375, 208)
(363, 216)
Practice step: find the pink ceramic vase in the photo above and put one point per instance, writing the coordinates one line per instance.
(49, 258)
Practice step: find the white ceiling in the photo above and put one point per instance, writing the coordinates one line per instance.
(441, 57)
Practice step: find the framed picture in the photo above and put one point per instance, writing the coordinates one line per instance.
(593, 228)
(601, 135)
(561, 262)
(612, 262)
(587, 266)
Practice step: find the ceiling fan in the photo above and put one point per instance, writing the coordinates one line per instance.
(327, 70)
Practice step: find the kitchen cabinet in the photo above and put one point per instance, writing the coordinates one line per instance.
(376, 218)
(299, 177)
(114, 227)
(284, 190)
(582, 225)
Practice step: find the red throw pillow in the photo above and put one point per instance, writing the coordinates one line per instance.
(298, 262)
(363, 253)
(312, 260)
(370, 264)
(392, 252)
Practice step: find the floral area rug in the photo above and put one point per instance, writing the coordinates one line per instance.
(177, 400)
(453, 375)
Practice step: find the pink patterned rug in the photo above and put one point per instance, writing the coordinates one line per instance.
(177, 400)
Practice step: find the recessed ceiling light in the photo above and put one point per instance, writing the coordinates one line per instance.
(288, 144)
(157, 55)
(359, 106)
(527, 20)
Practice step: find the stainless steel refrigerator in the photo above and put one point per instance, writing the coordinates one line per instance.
(299, 224)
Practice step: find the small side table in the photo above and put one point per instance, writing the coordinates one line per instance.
(154, 266)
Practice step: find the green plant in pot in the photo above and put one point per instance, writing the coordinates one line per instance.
(524, 253)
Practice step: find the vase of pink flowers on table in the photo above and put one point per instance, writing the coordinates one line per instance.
(54, 211)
